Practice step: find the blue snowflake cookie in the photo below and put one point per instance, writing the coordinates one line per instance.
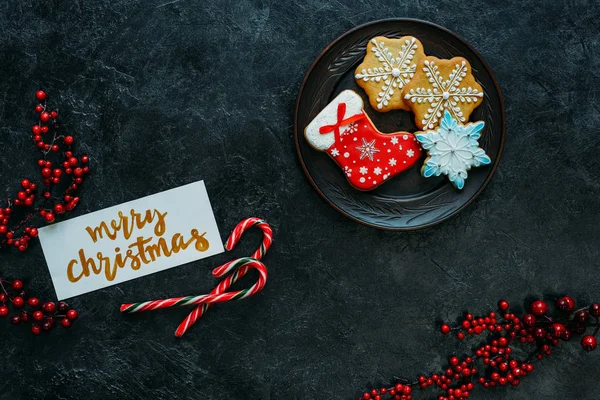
(452, 149)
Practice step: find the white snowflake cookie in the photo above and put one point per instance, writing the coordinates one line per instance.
(387, 67)
(440, 85)
(452, 149)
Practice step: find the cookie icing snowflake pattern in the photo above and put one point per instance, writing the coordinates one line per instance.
(440, 85)
(452, 149)
(388, 66)
(367, 157)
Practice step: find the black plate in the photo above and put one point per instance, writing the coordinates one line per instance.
(407, 201)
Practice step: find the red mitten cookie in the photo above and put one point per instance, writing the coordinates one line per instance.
(367, 156)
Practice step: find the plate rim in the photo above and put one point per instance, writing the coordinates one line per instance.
(494, 166)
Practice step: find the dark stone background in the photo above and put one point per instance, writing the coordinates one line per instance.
(163, 93)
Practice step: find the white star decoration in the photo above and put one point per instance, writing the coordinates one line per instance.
(377, 171)
(394, 140)
(392, 161)
(335, 152)
(367, 149)
(394, 71)
(364, 170)
(410, 153)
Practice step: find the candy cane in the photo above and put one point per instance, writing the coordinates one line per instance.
(209, 298)
(233, 240)
(240, 267)
(242, 227)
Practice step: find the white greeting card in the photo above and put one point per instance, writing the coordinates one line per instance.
(130, 240)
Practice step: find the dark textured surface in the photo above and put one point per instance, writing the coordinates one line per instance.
(163, 93)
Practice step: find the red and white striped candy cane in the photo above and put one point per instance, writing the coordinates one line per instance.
(240, 267)
(242, 227)
(224, 285)
(250, 263)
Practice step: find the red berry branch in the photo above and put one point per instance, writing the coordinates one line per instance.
(42, 317)
(493, 364)
(62, 174)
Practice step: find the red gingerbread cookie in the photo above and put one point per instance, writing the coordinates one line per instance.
(367, 157)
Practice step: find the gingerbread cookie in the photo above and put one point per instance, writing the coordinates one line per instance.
(452, 149)
(387, 67)
(367, 157)
(440, 85)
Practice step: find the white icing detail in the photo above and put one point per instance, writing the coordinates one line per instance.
(393, 72)
(377, 171)
(409, 153)
(355, 139)
(405, 137)
(364, 170)
(335, 152)
(346, 155)
(393, 162)
(389, 150)
(394, 140)
(367, 150)
(328, 116)
(443, 94)
(362, 180)
(353, 127)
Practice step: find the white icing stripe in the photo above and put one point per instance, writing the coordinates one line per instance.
(328, 116)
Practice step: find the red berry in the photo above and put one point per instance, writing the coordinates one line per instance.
(85, 159)
(3, 311)
(44, 117)
(35, 329)
(589, 343)
(33, 302)
(53, 114)
(62, 306)
(37, 315)
(17, 284)
(529, 319)
(59, 209)
(539, 308)
(15, 320)
(49, 307)
(39, 108)
(503, 305)
(445, 329)
(69, 140)
(72, 314)
(18, 302)
(565, 303)
(46, 172)
(44, 129)
(460, 336)
(49, 217)
(582, 316)
(558, 330)
(40, 95)
(595, 310)
(72, 161)
(66, 322)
